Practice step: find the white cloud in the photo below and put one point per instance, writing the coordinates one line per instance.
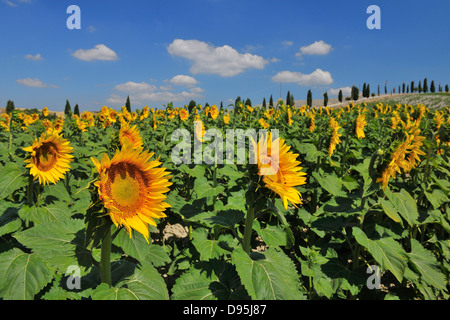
(35, 83)
(183, 80)
(99, 52)
(144, 93)
(317, 77)
(134, 87)
(14, 4)
(37, 57)
(224, 61)
(316, 48)
(287, 43)
(346, 91)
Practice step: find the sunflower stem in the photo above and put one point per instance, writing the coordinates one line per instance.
(105, 262)
(248, 229)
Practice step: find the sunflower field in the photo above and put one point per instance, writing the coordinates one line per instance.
(93, 206)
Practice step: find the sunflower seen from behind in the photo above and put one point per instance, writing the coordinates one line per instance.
(50, 158)
(132, 188)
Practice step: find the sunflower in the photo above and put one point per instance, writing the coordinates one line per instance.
(184, 114)
(226, 118)
(360, 124)
(335, 137)
(214, 112)
(45, 112)
(279, 169)
(50, 158)
(199, 130)
(132, 188)
(130, 135)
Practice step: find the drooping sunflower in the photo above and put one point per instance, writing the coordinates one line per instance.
(130, 135)
(132, 188)
(279, 169)
(50, 158)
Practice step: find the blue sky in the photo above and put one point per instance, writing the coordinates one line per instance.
(213, 50)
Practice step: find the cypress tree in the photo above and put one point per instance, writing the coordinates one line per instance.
(364, 91)
(288, 98)
(264, 103)
(221, 106)
(378, 89)
(292, 102)
(271, 101)
(10, 107)
(420, 87)
(425, 85)
(432, 87)
(385, 90)
(412, 86)
(76, 110)
(355, 93)
(403, 87)
(309, 99)
(368, 91)
(191, 106)
(340, 96)
(128, 104)
(446, 88)
(325, 99)
(67, 109)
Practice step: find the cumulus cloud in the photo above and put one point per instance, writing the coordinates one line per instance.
(316, 48)
(35, 83)
(144, 93)
(183, 81)
(99, 52)
(134, 87)
(317, 77)
(224, 61)
(346, 91)
(37, 57)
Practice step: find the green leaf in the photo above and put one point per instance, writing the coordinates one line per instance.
(9, 219)
(208, 249)
(204, 189)
(57, 191)
(55, 242)
(405, 204)
(272, 235)
(22, 275)
(138, 248)
(386, 251)
(216, 279)
(390, 210)
(270, 275)
(330, 183)
(105, 292)
(426, 264)
(57, 211)
(436, 198)
(147, 284)
(193, 285)
(12, 179)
